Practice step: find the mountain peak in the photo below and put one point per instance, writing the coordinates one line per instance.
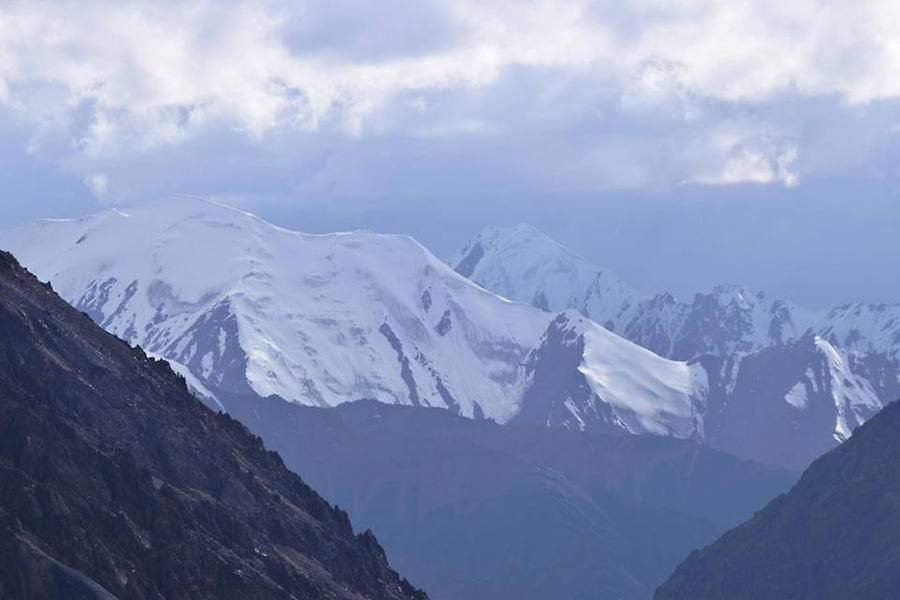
(523, 264)
(249, 307)
(737, 292)
(521, 239)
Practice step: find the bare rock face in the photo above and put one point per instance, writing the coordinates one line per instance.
(116, 482)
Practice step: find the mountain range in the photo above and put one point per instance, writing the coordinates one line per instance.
(523, 330)
(242, 306)
(784, 383)
(523, 264)
(482, 418)
(115, 482)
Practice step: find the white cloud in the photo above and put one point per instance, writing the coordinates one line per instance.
(744, 153)
(102, 80)
(753, 167)
(785, 168)
(98, 184)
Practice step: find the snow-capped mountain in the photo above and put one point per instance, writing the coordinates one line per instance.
(785, 404)
(729, 319)
(870, 336)
(315, 319)
(864, 328)
(523, 264)
(244, 307)
(578, 361)
(854, 349)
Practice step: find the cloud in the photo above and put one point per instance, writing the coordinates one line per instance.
(754, 167)
(98, 184)
(152, 72)
(569, 92)
(748, 155)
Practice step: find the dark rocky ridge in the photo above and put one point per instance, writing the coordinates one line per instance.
(835, 535)
(116, 482)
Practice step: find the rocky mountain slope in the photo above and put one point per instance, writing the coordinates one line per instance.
(116, 482)
(578, 362)
(786, 404)
(242, 306)
(470, 509)
(836, 534)
(782, 405)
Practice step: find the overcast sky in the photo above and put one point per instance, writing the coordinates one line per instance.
(680, 142)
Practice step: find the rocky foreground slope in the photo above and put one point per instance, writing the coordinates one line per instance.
(116, 482)
(835, 535)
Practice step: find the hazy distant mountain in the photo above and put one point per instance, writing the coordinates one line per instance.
(116, 482)
(835, 367)
(835, 535)
(470, 509)
(785, 404)
(521, 263)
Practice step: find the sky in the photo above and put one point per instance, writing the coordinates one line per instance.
(680, 143)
